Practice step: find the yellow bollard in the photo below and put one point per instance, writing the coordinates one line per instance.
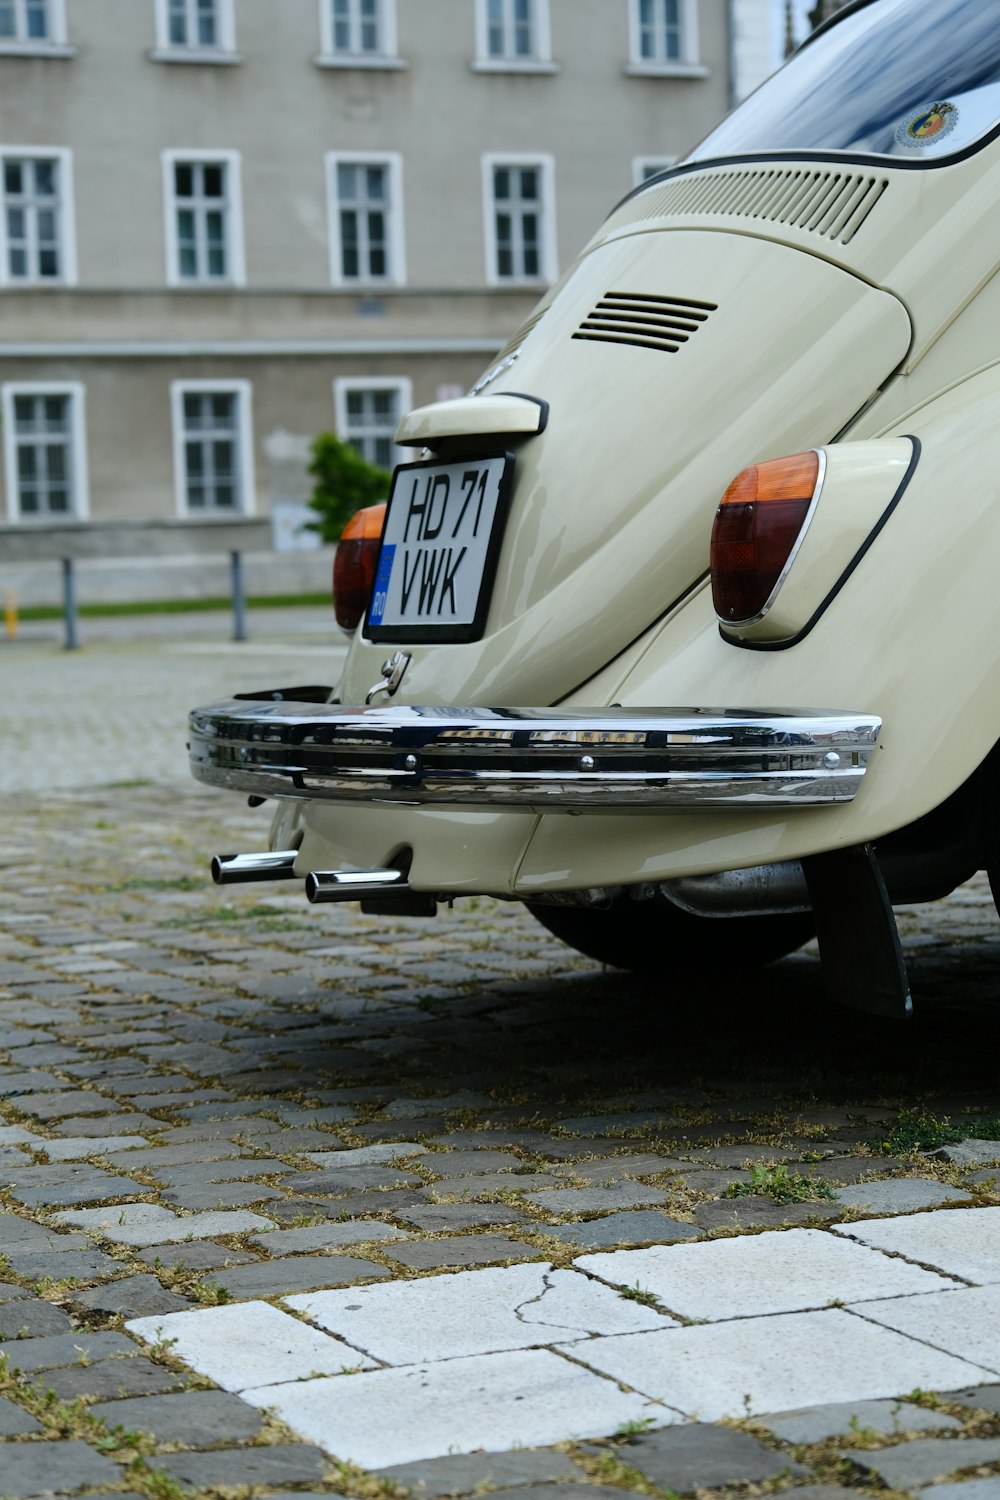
(10, 613)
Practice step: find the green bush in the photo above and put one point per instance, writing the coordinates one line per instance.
(344, 483)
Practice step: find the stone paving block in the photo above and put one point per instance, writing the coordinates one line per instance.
(327, 1236)
(73, 1148)
(698, 1457)
(9, 1292)
(495, 1401)
(436, 1216)
(467, 1473)
(474, 1163)
(900, 1195)
(288, 1464)
(298, 1273)
(110, 1378)
(195, 1255)
(55, 1468)
(463, 1250)
(640, 1227)
(131, 1122)
(965, 1321)
(56, 1350)
(762, 1213)
(981, 1397)
(133, 1297)
(195, 1419)
(161, 1225)
(365, 1156)
(17, 1135)
(958, 1241)
(760, 1274)
(62, 1265)
(38, 1187)
(847, 1418)
(222, 1196)
(248, 1344)
(482, 1183)
(907, 1466)
(591, 1200)
(743, 1367)
(970, 1489)
(15, 1422)
(69, 1102)
(471, 1312)
(32, 1319)
(970, 1153)
(608, 1169)
(350, 1180)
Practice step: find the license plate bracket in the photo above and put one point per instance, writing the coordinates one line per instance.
(439, 551)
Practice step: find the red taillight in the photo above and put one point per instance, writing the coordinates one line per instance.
(354, 564)
(756, 528)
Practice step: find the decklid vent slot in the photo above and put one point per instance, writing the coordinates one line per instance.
(647, 321)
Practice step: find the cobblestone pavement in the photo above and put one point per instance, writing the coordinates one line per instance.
(300, 1201)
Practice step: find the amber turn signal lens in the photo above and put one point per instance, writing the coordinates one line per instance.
(756, 528)
(354, 564)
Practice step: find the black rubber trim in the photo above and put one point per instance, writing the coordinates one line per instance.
(845, 575)
(543, 406)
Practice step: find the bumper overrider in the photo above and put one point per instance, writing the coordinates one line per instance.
(550, 759)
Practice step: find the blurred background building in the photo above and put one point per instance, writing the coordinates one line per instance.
(229, 225)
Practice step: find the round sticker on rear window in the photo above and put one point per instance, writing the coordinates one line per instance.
(929, 125)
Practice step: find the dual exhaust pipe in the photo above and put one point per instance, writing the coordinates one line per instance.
(321, 885)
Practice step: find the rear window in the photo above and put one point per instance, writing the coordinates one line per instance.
(909, 79)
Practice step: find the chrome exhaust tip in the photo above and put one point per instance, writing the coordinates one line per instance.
(236, 869)
(354, 885)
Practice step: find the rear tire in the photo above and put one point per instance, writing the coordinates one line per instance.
(649, 937)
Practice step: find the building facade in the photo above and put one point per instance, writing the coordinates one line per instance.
(229, 225)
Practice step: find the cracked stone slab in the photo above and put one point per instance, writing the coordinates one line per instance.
(142, 1224)
(247, 1344)
(910, 1465)
(965, 1321)
(729, 1369)
(698, 1457)
(522, 1397)
(847, 1418)
(960, 1241)
(760, 1274)
(472, 1312)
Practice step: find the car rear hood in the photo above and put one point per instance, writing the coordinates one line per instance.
(669, 360)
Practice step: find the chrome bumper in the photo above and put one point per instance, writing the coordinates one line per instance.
(611, 759)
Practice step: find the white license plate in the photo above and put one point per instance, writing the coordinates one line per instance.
(439, 550)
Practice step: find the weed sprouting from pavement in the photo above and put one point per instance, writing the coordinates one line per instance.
(779, 1184)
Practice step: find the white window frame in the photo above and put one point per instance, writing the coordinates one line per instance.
(224, 50)
(395, 232)
(540, 60)
(67, 216)
(79, 490)
(236, 254)
(547, 211)
(644, 167)
(402, 384)
(386, 57)
(686, 66)
(243, 391)
(53, 45)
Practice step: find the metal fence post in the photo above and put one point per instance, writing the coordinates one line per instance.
(239, 599)
(69, 604)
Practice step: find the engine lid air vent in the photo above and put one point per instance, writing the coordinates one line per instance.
(832, 203)
(664, 323)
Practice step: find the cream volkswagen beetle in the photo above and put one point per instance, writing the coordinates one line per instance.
(690, 719)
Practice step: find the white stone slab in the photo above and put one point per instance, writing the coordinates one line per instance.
(150, 1224)
(247, 1343)
(472, 1312)
(754, 1365)
(965, 1322)
(495, 1402)
(752, 1275)
(366, 1156)
(960, 1241)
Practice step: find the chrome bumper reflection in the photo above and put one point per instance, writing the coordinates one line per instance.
(611, 759)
